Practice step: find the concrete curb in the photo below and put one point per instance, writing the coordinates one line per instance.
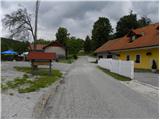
(38, 108)
(146, 84)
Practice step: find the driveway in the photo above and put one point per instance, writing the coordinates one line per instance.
(148, 78)
(90, 93)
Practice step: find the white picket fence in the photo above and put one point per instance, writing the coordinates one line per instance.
(125, 68)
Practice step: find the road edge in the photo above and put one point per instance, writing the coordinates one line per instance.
(43, 99)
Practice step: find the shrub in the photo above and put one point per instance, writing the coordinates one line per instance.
(154, 65)
(75, 56)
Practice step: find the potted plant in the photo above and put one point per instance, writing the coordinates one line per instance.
(154, 66)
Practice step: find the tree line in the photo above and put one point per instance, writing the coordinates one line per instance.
(102, 30)
(19, 25)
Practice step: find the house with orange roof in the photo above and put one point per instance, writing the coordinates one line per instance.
(52, 47)
(57, 48)
(140, 45)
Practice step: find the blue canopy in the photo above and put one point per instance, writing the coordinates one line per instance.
(11, 52)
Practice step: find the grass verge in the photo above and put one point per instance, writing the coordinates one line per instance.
(142, 70)
(114, 75)
(26, 84)
(69, 61)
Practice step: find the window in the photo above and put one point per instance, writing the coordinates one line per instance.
(100, 56)
(109, 56)
(137, 59)
(128, 57)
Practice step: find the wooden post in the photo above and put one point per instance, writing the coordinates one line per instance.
(32, 67)
(50, 64)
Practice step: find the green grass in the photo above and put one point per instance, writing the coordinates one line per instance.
(114, 75)
(25, 84)
(142, 70)
(69, 61)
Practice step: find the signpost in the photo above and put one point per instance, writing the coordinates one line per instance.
(41, 58)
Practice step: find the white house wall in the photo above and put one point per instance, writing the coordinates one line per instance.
(60, 52)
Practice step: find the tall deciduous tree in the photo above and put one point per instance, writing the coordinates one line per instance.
(87, 44)
(125, 24)
(101, 32)
(62, 36)
(19, 23)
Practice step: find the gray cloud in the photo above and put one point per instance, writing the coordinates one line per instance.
(79, 17)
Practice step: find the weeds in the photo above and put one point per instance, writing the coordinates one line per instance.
(25, 84)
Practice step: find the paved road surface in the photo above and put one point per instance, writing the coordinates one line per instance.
(147, 77)
(89, 93)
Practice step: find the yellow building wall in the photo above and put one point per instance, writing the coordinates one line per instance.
(145, 60)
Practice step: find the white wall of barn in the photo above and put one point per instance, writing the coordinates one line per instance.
(60, 52)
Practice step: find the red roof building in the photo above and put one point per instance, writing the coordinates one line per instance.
(57, 48)
(140, 45)
(147, 36)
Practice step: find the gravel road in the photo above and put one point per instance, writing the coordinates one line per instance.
(90, 93)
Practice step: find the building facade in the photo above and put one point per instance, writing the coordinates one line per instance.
(55, 47)
(139, 45)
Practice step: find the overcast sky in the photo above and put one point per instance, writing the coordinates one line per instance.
(79, 17)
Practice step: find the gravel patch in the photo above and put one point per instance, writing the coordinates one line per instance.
(16, 105)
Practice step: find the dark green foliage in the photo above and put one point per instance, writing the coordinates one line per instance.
(154, 65)
(75, 57)
(101, 32)
(87, 44)
(144, 21)
(18, 46)
(42, 41)
(7, 57)
(125, 24)
(128, 22)
(62, 35)
(74, 45)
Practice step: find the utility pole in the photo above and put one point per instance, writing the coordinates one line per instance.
(36, 21)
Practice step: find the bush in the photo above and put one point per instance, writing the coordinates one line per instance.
(154, 66)
(75, 56)
(7, 57)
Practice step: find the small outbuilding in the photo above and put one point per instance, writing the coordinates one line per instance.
(55, 47)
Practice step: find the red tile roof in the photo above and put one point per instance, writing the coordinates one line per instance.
(38, 46)
(55, 44)
(150, 38)
(41, 56)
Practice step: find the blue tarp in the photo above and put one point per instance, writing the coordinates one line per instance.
(10, 52)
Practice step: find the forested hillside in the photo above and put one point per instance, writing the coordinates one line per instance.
(9, 44)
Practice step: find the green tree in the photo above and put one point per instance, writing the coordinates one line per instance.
(15, 45)
(87, 44)
(42, 41)
(62, 37)
(144, 21)
(125, 24)
(74, 45)
(101, 32)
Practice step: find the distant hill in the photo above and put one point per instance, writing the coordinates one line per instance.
(10, 44)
